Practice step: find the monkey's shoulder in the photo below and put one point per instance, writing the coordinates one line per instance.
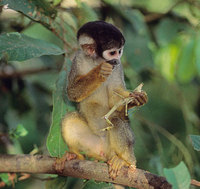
(84, 63)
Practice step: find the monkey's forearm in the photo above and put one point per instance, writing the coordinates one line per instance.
(84, 85)
(116, 95)
(122, 92)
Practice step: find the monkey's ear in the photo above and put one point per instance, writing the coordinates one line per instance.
(89, 49)
(87, 44)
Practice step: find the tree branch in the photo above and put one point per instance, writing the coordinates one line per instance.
(24, 72)
(195, 183)
(37, 164)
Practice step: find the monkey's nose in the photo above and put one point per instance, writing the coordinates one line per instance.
(113, 62)
(117, 55)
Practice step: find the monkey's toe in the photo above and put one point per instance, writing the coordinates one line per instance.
(59, 163)
(115, 164)
(70, 156)
(131, 169)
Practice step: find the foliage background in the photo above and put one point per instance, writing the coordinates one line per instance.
(162, 50)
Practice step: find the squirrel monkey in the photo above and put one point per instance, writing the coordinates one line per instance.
(96, 76)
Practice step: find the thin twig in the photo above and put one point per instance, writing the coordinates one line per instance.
(48, 26)
(195, 183)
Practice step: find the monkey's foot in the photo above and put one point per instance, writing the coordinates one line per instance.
(114, 166)
(131, 170)
(59, 163)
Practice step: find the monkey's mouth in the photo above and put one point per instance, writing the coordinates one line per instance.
(113, 62)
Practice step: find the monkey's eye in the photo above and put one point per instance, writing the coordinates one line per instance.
(112, 53)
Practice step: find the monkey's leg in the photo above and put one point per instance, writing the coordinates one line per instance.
(121, 140)
(80, 139)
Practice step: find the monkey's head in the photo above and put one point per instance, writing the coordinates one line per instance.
(101, 39)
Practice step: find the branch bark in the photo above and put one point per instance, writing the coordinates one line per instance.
(195, 183)
(37, 164)
(25, 72)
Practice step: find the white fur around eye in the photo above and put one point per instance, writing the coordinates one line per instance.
(106, 54)
(85, 39)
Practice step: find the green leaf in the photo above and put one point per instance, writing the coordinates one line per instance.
(69, 27)
(39, 32)
(136, 18)
(137, 51)
(178, 176)
(5, 178)
(55, 143)
(56, 2)
(197, 54)
(137, 47)
(167, 30)
(195, 142)
(58, 183)
(36, 10)
(166, 59)
(186, 64)
(20, 131)
(91, 184)
(42, 12)
(19, 47)
(85, 13)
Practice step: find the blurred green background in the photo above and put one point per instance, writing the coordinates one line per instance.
(162, 50)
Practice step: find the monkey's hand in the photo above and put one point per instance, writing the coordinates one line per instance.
(106, 69)
(140, 98)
